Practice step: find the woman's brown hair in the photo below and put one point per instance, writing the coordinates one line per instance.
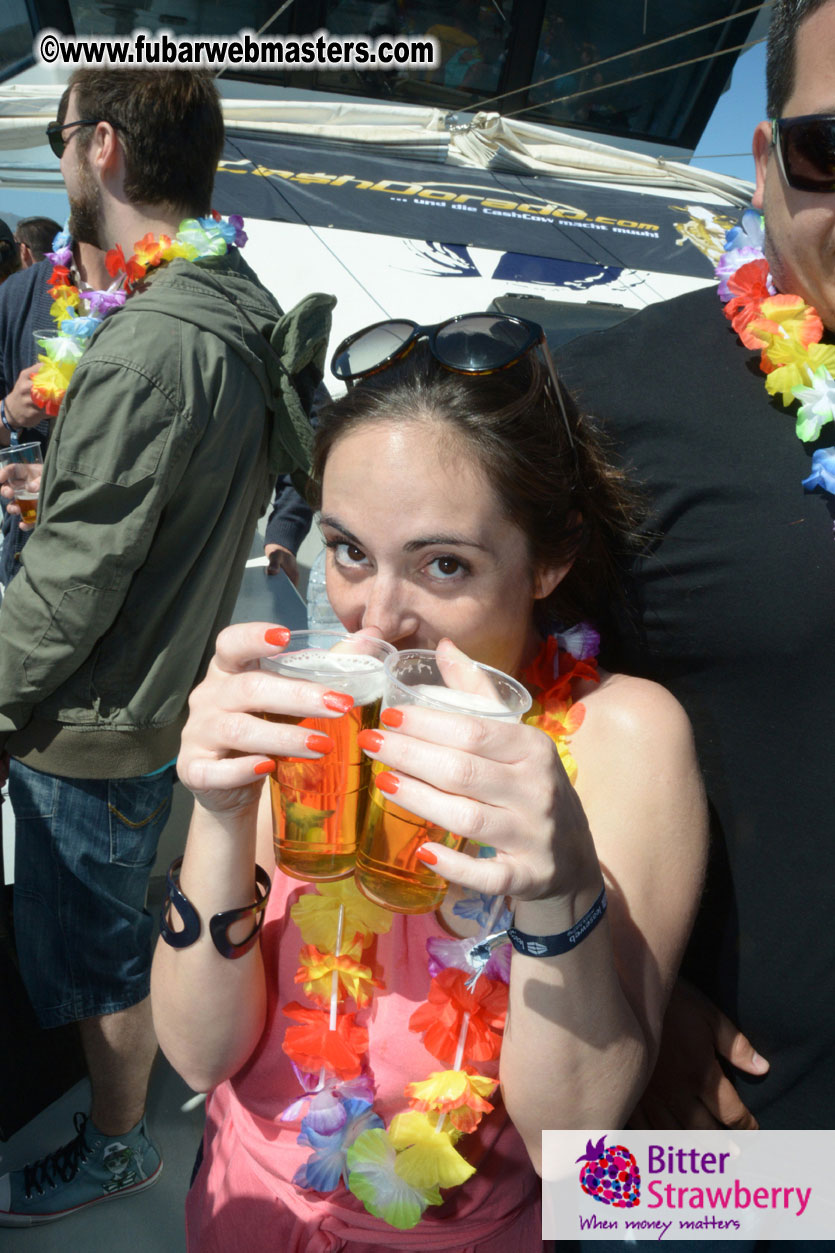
(551, 474)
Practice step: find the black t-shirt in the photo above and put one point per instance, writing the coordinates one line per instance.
(732, 607)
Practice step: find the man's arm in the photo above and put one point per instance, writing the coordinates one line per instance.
(291, 516)
(287, 525)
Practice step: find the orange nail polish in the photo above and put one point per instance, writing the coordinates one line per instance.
(319, 743)
(277, 635)
(387, 782)
(392, 717)
(339, 702)
(264, 767)
(426, 854)
(370, 741)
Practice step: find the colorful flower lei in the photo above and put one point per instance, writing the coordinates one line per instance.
(788, 333)
(77, 314)
(397, 1172)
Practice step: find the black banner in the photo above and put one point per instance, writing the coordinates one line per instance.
(538, 221)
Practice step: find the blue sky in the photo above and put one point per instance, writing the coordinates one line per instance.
(736, 114)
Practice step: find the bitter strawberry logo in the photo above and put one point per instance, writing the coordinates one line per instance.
(610, 1175)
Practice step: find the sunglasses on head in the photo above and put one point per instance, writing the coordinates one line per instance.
(55, 134)
(806, 150)
(471, 343)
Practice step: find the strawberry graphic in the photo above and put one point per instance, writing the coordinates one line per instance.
(610, 1175)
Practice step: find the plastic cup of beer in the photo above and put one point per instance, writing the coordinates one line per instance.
(318, 806)
(28, 504)
(17, 460)
(388, 871)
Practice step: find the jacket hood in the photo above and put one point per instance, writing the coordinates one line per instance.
(210, 295)
(284, 351)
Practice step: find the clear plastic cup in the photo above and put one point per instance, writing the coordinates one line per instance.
(388, 871)
(318, 805)
(21, 466)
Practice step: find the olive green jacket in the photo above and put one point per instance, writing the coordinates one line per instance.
(174, 427)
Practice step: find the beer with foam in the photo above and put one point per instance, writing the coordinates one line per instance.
(318, 805)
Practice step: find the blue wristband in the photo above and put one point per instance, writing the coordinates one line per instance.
(3, 417)
(553, 945)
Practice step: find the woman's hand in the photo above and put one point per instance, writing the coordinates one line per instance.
(689, 1088)
(241, 718)
(498, 783)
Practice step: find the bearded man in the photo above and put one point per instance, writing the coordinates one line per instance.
(186, 403)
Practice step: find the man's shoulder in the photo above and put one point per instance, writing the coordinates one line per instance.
(183, 335)
(663, 323)
(18, 288)
(225, 279)
(24, 307)
(670, 357)
(30, 277)
(217, 300)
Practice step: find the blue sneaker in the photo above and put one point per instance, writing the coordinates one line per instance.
(91, 1168)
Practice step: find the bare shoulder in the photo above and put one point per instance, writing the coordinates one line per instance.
(626, 712)
(636, 762)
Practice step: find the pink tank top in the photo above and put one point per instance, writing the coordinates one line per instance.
(244, 1197)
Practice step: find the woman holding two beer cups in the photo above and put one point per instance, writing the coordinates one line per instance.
(378, 1077)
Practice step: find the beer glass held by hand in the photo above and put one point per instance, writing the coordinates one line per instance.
(21, 467)
(388, 871)
(318, 805)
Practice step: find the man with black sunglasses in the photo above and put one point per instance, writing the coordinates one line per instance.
(795, 160)
(59, 134)
(732, 606)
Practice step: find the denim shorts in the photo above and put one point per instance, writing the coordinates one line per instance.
(84, 850)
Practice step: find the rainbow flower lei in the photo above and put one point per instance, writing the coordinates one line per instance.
(397, 1172)
(788, 333)
(78, 314)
